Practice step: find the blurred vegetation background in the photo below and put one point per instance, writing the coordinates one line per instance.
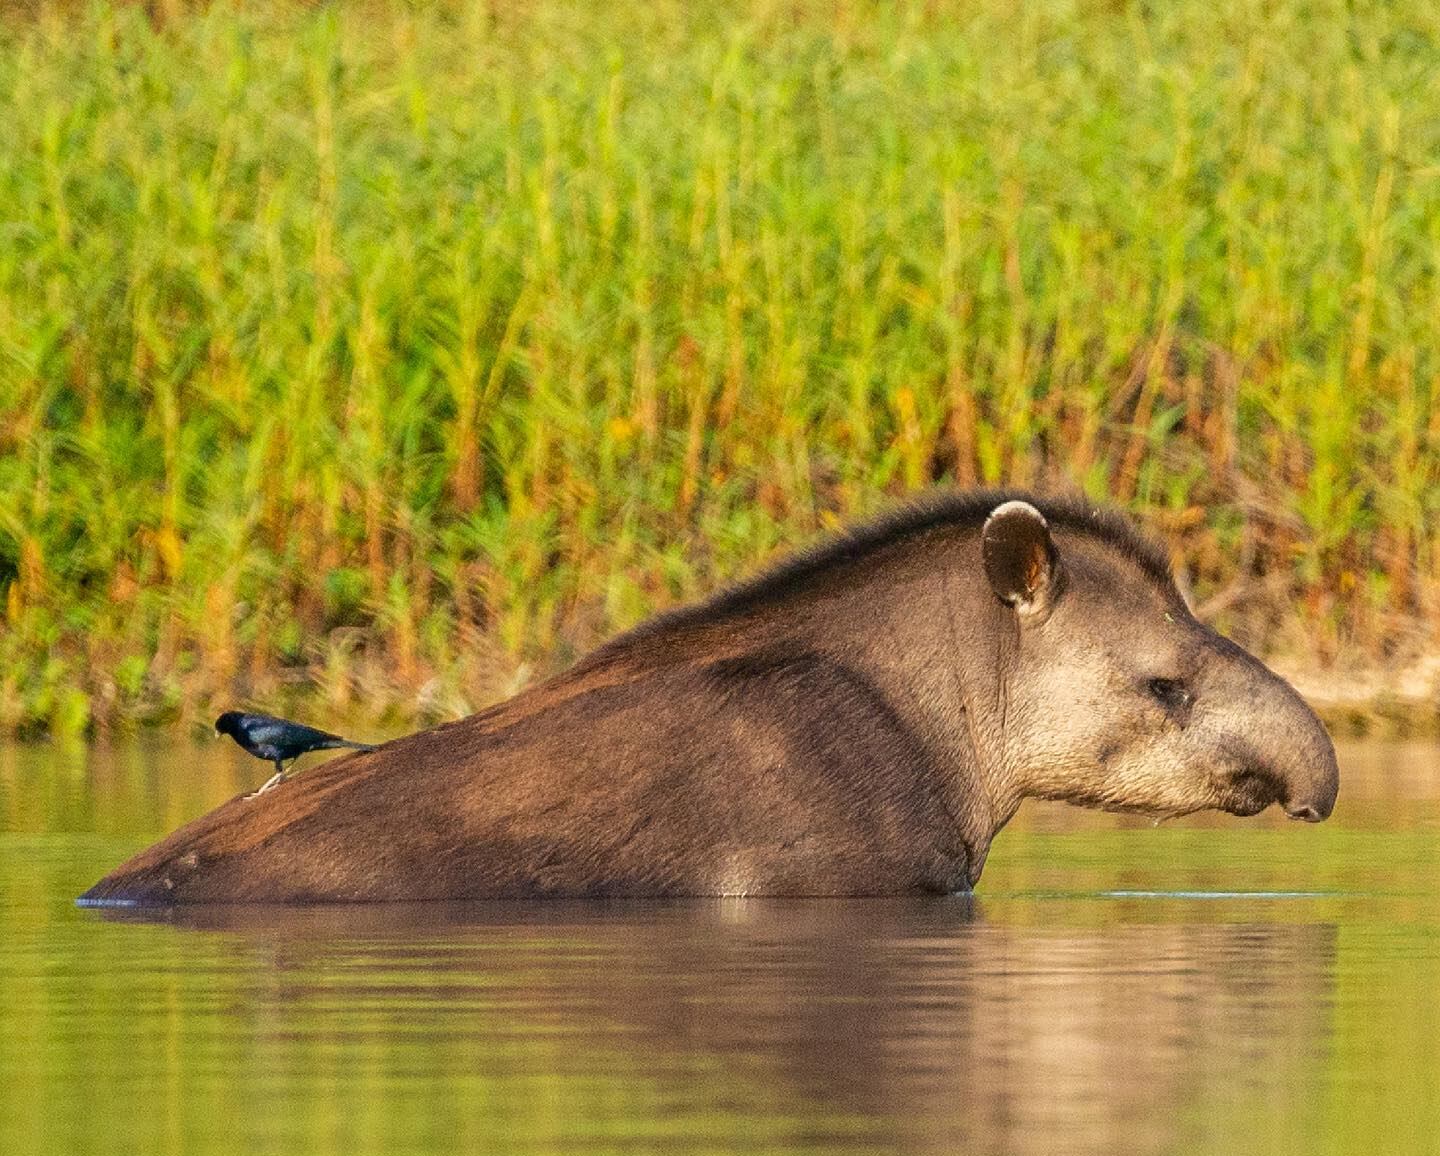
(389, 355)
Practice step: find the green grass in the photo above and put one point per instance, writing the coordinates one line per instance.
(397, 353)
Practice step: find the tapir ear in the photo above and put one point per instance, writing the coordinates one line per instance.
(1020, 558)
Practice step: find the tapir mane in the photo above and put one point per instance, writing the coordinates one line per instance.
(947, 510)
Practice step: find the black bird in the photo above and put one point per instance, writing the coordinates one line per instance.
(277, 740)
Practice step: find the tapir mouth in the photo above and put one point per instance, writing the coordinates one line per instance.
(1252, 790)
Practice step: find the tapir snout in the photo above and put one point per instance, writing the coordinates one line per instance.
(1282, 752)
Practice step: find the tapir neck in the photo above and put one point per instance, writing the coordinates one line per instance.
(920, 631)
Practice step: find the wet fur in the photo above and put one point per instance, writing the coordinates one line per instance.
(800, 733)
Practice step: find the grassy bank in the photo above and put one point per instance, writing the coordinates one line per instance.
(391, 355)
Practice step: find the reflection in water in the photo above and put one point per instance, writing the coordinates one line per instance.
(1045, 1016)
(926, 1024)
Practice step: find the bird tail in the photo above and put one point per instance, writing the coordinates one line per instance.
(337, 744)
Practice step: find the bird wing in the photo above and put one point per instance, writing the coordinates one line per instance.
(281, 732)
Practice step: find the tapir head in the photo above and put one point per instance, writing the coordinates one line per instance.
(1114, 696)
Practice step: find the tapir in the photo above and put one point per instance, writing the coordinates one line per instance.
(860, 719)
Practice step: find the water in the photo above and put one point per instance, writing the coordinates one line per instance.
(1214, 985)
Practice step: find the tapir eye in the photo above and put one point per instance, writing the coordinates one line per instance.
(1170, 693)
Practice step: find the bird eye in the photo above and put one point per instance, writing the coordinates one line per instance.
(1171, 693)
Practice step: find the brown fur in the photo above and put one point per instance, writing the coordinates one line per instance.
(858, 720)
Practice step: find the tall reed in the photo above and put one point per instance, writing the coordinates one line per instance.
(397, 353)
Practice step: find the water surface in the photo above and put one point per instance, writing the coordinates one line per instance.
(1212, 985)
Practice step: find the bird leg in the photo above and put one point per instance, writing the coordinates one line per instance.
(273, 781)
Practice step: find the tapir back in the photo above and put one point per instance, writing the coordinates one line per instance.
(718, 777)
